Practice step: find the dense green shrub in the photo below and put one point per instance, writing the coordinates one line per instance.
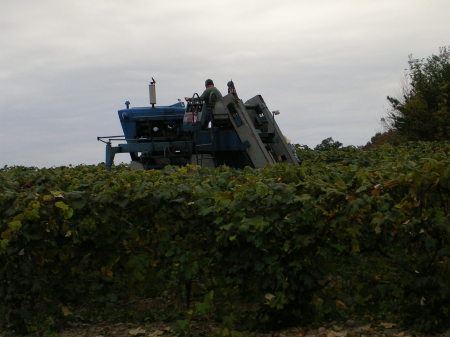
(320, 241)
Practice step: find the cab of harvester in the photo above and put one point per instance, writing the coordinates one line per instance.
(232, 133)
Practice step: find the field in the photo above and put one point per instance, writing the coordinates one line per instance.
(347, 236)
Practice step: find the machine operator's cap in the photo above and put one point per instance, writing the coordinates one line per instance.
(209, 82)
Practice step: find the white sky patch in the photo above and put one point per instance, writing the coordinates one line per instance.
(66, 67)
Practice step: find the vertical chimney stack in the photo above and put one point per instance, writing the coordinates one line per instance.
(152, 91)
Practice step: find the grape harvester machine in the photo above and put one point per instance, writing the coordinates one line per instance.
(233, 133)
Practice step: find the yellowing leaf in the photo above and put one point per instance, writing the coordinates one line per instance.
(340, 304)
(35, 204)
(387, 325)
(269, 297)
(423, 301)
(107, 271)
(337, 328)
(136, 332)
(47, 197)
(5, 236)
(377, 229)
(66, 311)
(332, 333)
(366, 327)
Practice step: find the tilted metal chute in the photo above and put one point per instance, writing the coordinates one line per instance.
(234, 133)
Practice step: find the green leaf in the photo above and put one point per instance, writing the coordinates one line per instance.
(57, 194)
(15, 225)
(4, 244)
(61, 205)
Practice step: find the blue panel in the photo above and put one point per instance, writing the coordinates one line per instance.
(129, 117)
(224, 140)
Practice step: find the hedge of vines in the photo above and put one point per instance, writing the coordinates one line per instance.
(369, 234)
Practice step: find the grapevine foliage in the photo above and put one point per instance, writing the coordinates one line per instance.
(367, 234)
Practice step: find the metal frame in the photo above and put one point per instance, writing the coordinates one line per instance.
(143, 145)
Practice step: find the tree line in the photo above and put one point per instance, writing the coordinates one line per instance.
(422, 111)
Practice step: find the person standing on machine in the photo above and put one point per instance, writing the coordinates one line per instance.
(210, 97)
(231, 88)
(211, 94)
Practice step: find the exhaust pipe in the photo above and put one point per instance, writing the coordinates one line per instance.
(152, 92)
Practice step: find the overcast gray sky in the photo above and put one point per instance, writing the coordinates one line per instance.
(66, 67)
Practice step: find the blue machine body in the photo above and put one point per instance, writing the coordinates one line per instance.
(157, 136)
(147, 122)
(230, 132)
(168, 122)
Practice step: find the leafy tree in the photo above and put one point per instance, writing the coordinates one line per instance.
(423, 111)
(382, 138)
(328, 144)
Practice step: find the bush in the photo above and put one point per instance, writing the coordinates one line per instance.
(277, 245)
